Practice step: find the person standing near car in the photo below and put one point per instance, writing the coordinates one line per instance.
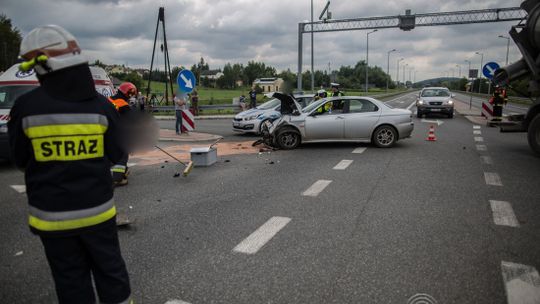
(63, 134)
(252, 98)
(180, 104)
(335, 92)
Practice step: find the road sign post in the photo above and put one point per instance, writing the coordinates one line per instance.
(489, 69)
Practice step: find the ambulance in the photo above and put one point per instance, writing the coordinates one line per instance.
(14, 83)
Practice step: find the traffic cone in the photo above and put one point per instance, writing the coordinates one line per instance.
(431, 134)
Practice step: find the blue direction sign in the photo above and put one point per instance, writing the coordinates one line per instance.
(186, 81)
(489, 69)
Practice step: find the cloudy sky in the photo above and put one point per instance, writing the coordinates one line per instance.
(238, 31)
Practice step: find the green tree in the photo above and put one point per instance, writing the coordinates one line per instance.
(10, 41)
(134, 78)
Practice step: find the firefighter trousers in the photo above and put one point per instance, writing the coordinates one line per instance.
(74, 260)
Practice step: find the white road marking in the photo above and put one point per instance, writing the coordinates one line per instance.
(176, 302)
(317, 187)
(19, 188)
(477, 132)
(476, 127)
(342, 165)
(131, 164)
(411, 105)
(492, 179)
(522, 283)
(503, 214)
(359, 150)
(486, 160)
(262, 235)
(478, 139)
(481, 147)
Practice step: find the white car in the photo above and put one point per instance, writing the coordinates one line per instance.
(251, 121)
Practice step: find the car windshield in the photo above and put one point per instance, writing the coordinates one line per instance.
(435, 93)
(269, 104)
(312, 106)
(8, 94)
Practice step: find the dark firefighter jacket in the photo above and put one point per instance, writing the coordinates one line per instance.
(64, 136)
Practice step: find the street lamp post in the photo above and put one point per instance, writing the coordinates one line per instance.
(507, 46)
(388, 68)
(367, 56)
(397, 73)
(404, 67)
(480, 71)
(468, 77)
(459, 69)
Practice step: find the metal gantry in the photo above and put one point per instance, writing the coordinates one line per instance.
(406, 22)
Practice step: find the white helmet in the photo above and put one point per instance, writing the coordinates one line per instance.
(321, 91)
(50, 48)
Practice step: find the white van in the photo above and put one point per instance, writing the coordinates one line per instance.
(14, 83)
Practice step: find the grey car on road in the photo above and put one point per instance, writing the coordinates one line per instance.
(345, 118)
(435, 100)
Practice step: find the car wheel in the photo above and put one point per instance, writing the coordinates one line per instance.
(384, 136)
(288, 139)
(533, 135)
(451, 115)
(419, 114)
(260, 132)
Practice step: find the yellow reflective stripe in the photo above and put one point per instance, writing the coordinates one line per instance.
(64, 130)
(44, 225)
(68, 148)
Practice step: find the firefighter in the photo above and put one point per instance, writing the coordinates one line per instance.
(63, 135)
(120, 101)
(320, 94)
(498, 100)
(335, 92)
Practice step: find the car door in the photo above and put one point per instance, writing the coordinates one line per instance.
(325, 125)
(360, 117)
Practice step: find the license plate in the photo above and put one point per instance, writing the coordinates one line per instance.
(235, 124)
(435, 110)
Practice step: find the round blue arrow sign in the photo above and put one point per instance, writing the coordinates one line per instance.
(186, 81)
(489, 69)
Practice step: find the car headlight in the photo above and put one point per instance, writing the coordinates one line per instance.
(450, 102)
(3, 128)
(251, 117)
(420, 102)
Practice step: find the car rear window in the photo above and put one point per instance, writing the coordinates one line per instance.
(435, 93)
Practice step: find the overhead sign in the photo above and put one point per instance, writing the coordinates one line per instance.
(473, 73)
(489, 69)
(186, 81)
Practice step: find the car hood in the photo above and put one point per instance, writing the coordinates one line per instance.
(249, 112)
(288, 104)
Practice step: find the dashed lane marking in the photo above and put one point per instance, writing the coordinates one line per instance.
(342, 165)
(522, 283)
(479, 139)
(131, 164)
(317, 188)
(486, 160)
(503, 214)
(359, 150)
(481, 147)
(492, 179)
(176, 302)
(262, 235)
(19, 188)
(477, 132)
(476, 127)
(411, 105)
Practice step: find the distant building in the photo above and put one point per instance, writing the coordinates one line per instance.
(269, 84)
(211, 74)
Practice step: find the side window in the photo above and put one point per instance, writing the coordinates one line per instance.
(362, 106)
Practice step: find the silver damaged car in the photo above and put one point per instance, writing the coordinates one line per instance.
(345, 118)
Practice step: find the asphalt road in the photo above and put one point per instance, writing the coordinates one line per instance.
(476, 102)
(286, 227)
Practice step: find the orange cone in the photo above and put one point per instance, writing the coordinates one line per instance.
(431, 134)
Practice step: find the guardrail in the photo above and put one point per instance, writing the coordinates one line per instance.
(235, 108)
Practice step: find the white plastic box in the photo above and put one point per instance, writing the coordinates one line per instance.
(204, 156)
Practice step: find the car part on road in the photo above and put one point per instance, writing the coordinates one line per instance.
(189, 165)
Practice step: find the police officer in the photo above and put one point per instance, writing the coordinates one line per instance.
(120, 101)
(335, 92)
(498, 100)
(320, 94)
(63, 134)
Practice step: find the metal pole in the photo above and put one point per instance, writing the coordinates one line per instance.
(480, 71)
(367, 57)
(299, 76)
(397, 73)
(459, 69)
(388, 68)
(468, 77)
(312, 72)
(507, 46)
(404, 67)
